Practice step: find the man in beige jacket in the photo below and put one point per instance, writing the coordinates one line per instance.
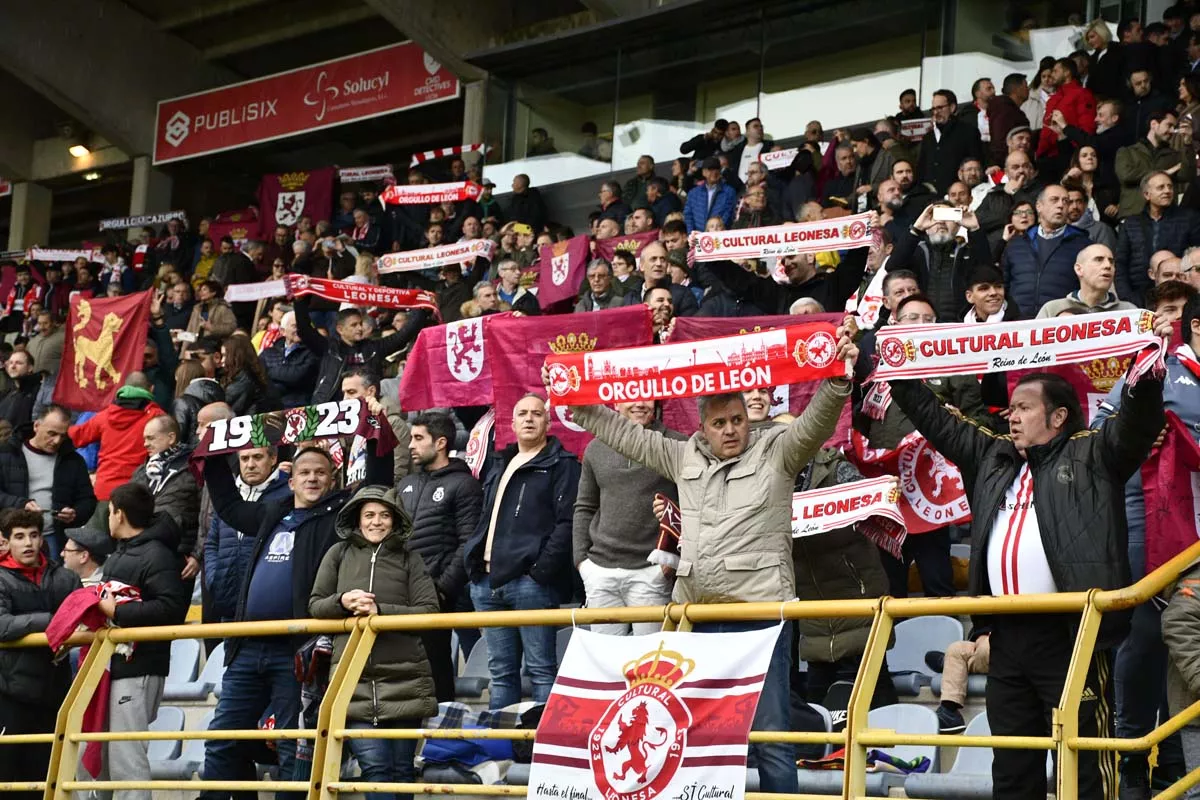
(735, 494)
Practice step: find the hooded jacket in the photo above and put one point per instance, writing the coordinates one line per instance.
(118, 429)
(29, 674)
(151, 562)
(72, 485)
(397, 682)
(227, 552)
(196, 396)
(444, 506)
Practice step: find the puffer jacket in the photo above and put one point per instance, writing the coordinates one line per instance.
(397, 682)
(444, 506)
(196, 396)
(736, 542)
(246, 395)
(149, 561)
(227, 552)
(29, 674)
(840, 565)
(1038, 270)
(1078, 487)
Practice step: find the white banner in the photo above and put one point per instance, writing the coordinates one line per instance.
(365, 174)
(430, 257)
(55, 254)
(248, 292)
(929, 351)
(665, 715)
(824, 510)
(842, 233)
(123, 223)
(778, 159)
(913, 129)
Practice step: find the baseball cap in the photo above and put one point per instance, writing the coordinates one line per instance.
(100, 545)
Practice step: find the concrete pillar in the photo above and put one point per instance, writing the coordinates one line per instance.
(474, 107)
(29, 223)
(151, 192)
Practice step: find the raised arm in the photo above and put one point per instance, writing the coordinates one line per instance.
(305, 329)
(1127, 437)
(227, 500)
(808, 432)
(649, 448)
(951, 434)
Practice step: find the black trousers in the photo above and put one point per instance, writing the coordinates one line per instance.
(823, 674)
(25, 762)
(1030, 656)
(437, 650)
(931, 551)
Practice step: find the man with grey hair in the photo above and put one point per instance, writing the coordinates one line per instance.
(735, 494)
(484, 297)
(290, 365)
(806, 305)
(599, 295)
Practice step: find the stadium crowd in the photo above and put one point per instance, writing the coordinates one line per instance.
(1067, 192)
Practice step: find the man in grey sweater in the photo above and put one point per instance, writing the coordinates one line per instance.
(614, 528)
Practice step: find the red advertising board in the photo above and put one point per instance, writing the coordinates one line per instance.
(370, 84)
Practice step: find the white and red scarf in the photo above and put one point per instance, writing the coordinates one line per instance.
(432, 257)
(429, 193)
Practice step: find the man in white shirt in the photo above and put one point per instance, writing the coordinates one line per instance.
(1048, 516)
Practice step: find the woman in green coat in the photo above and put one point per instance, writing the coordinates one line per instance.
(371, 571)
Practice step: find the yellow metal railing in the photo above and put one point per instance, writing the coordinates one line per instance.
(331, 732)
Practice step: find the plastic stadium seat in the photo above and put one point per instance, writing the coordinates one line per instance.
(971, 776)
(169, 718)
(185, 661)
(563, 638)
(902, 717)
(208, 681)
(961, 550)
(976, 685)
(190, 760)
(914, 638)
(475, 678)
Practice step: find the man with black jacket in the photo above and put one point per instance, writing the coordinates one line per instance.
(1049, 501)
(32, 685)
(292, 536)
(147, 559)
(830, 289)
(519, 556)
(444, 500)
(941, 261)
(348, 347)
(653, 260)
(950, 141)
(1161, 225)
(290, 365)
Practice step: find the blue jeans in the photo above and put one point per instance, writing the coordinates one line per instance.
(505, 645)
(385, 760)
(776, 762)
(259, 677)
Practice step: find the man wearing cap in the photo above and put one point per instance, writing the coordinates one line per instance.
(703, 145)
(713, 198)
(489, 206)
(85, 552)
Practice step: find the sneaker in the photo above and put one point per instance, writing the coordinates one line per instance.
(950, 720)
(935, 660)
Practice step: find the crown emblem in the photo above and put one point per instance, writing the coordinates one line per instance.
(661, 667)
(1145, 322)
(572, 343)
(1105, 372)
(293, 180)
(238, 234)
(893, 494)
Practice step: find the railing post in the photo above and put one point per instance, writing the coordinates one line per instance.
(64, 753)
(1066, 716)
(854, 779)
(327, 751)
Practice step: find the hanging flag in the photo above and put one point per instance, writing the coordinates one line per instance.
(684, 416)
(433, 257)
(664, 715)
(424, 194)
(521, 344)
(241, 226)
(932, 494)
(754, 360)
(447, 367)
(629, 243)
(1171, 484)
(564, 265)
(104, 343)
(284, 198)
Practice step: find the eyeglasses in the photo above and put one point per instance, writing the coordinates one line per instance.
(939, 108)
(926, 318)
(1023, 212)
(74, 550)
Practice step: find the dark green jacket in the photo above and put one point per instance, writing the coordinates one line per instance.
(960, 391)
(397, 683)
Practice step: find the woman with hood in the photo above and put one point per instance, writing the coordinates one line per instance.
(372, 571)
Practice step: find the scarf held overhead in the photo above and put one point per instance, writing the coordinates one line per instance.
(428, 193)
(440, 256)
(690, 369)
(843, 233)
(294, 425)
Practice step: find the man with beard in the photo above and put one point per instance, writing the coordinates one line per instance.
(444, 500)
(951, 140)
(888, 198)
(913, 196)
(941, 261)
(970, 172)
(1079, 215)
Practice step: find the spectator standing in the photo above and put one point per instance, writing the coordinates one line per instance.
(290, 365)
(1039, 265)
(211, 317)
(945, 147)
(1071, 104)
(17, 405)
(614, 528)
(1160, 225)
(231, 266)
(1152, 153)
(45, 475)
(712, 198)
(194, 389)
(85, 552)
(371, 570)
(519, 556)
(173, 486)
(635, 188)
(1004, 114)
(46, 347)
(247, 388)
(611, 205)
(146, 558)
(525, 204)
(22, 294)
(703, 145)
(32, 683)
(933, 250)
(1143, 102)
(1106, 64)
(874, 166)
(655, 274)
(1080, 215)
(444, 501)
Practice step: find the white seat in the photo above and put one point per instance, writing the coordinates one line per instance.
(916, 637)
(971, 775)
(182, 682)
(171, 719)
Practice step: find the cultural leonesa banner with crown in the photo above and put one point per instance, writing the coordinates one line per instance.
(641, 717)
(752, 360)
(931, 351)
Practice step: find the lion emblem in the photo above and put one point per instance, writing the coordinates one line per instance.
(633, 739)
(98, 350)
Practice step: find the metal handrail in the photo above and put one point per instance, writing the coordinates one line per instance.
(331, 731)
